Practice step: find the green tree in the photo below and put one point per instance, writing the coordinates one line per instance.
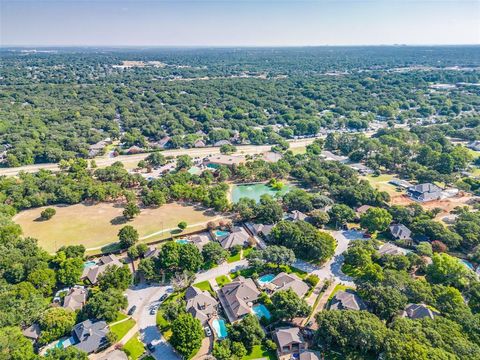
(69, 353)
(268, 210)
(341, 214)
(15, 346)
(385, 301)
(375, 219)
(43, 279)
(48, 213)
(106, 304)
(248, 332)
(115, 277)
(190, 257)
(448, 270)
(182, 225)
(127, 236)
(227, 149)
(131, 210)
(187, 335)
(184, 162)
(69, 270)
(214, 253)
(287, 304)
(156, 159)
(319, 218)
(55, 323)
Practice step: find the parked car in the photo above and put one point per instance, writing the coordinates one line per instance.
(153, 310)
(163, 297)
(132, 310)
(208, 332)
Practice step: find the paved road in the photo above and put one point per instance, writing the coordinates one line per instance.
(144, 297)
(223, 269)
(333, 268)
(202, 152)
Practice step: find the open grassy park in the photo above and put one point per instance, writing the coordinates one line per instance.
(97, 225)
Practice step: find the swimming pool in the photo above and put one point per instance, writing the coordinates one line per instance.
(468, 264)
(88, 264)
(265, 279)
(220, 328)
(182, 241)
(260, 311)
(65, 342)
(221, 233)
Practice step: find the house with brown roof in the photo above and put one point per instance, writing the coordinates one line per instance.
(32, 332)
(76, 298)
(290, 342)
(284, 281)
(200, 304)
(238, 236)
(296, 215)
(347, 300)
(226, 160)
(391, 249)
(238, 297)
(308, 355)
(92, 273)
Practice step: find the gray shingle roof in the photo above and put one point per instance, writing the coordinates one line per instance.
(284, 281)
(91, 336)
(344, 300)
(288, 336)
(236, 295)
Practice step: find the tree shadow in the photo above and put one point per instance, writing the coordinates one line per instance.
(119, 220)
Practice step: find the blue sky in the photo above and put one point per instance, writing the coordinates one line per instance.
(239, 22)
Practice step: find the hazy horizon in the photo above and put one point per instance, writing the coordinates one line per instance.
(228, 23)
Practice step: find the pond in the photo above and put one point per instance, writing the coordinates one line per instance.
(255, 191)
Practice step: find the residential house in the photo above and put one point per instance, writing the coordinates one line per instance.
(400, 183)
(271, 156)
(200, 240)
(76, 298)
(134, 150)
(329, 156)
(238, 297)
(284, 281)
(361, 169)
(152, 252)
(308, 355)
(200, 133)
(200, 304)
(425, 192)
(32, 332)
(362, 209)
(238, 236)
(400, 232)
(290, 342)
(114, 355)
(347, 300)
(474, 145)
(164, 143)
(222, 142)
(90, 336)
(199, 143)
(92, 273)
(226, 160)
(391, 249)
(418, 311)
(262, 230)
(95, 149)
(296, 215)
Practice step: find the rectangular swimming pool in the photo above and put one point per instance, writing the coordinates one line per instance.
(261, 310)
(220, 328)
(220, 234)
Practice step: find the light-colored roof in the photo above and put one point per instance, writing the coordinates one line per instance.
(284, 281)
(221, 159)
(200, 304)
(272, 156)
(114, 355)
(76, 298)
(362, 209)
(344, 300)
(32, 332)
(238, 236)
(286, 337)
(236, 296)
(262, 229)
(297, 215)
(391, 249)
(308, 355)
(400, 231)
(425, 188)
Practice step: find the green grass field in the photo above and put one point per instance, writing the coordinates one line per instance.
(223, 280)
(97, 225)
(258, 352)
(234, 258)
(134, 348)
(204, 285)
(120, 329)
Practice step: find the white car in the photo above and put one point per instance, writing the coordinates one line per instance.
(208, 332)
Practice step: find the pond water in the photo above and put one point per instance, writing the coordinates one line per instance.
(255, 191)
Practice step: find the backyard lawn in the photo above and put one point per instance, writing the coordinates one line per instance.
(223, 280)
(204, 285)
(234, 258)
(97, 225)
(259, 352)
(120, 329)
(134, 348)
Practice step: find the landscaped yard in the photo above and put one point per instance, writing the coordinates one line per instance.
(134, 347)
(204, 285)
(120, 329)
(222, 280)
(97, 225)
(234, 258)
(120, 316)
(258, 352)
